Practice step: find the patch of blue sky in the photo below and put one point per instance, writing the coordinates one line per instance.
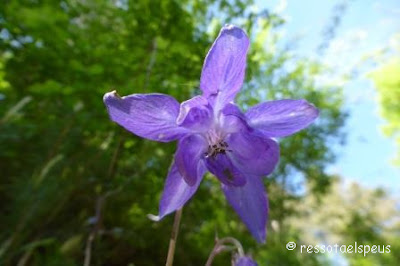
(365, 27)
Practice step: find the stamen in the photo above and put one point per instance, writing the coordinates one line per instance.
(220, 148)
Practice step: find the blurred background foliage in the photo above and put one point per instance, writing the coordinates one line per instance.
(387, 81)
(75, 185)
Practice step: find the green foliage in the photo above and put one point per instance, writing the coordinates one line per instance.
(387, 83)
(68, 172)
(349, 214)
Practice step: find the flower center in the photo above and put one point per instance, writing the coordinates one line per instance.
(220, 147)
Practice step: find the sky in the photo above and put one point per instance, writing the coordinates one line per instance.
(366, 26)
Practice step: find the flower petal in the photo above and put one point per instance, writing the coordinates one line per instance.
(281, 118)
(251, 204)
(224, 66)
(176, 191)
(222, 167)
(195, 114)
(187, 157)
(245, 261)
(151, 116)
(232, 119)
(253, 154)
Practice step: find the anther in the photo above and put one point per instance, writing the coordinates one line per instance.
(215, 149)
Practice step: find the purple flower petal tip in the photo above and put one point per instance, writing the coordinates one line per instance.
(234, 31)
(245, 261)
(111, 94)
(152, 116)
(281, 118)
(224, 67)
(251, 204)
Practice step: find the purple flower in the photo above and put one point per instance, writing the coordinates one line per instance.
(213, 134)
(244, 261)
